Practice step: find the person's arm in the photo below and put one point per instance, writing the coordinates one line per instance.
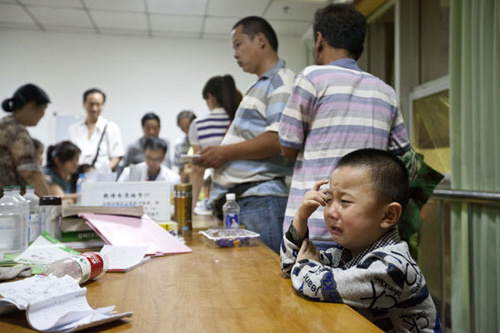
(289, 153)
(37, 179)
(128, 156)
(113, 162)
(67, 199)
(262, 146)
(115, 146)
(381, 280)
(296, 235)
(311, 201)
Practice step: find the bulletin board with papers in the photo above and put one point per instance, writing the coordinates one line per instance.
(153, 196)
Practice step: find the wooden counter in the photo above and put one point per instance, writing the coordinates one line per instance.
(210, 290)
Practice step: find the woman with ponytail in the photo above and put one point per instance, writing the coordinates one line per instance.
(18, 162)
(62, 165)
(222, 99)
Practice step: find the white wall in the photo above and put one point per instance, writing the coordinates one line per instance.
(138, 74)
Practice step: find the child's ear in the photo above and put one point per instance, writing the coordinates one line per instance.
(392, 213)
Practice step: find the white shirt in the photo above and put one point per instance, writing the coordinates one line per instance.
(139, 173)
(111, 145)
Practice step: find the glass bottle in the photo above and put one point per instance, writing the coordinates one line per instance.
(50, 214)
(34, 221)
(23, 204)
(183, 206)
(13, 229)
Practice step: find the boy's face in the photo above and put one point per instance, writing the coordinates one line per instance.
(153, 158)
(353, 213)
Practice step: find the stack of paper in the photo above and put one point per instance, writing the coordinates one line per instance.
(54, 304)
(124, 231)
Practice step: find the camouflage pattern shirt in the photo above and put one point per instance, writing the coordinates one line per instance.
(17, 153)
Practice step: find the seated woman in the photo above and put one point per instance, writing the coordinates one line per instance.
(62, 163)
(152, 169)
(39, 149)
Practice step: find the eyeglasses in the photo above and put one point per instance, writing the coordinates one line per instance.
(151, 159)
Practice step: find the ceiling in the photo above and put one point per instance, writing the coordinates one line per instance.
(156, 18)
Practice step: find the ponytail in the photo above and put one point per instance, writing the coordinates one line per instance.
(64, 151)
(224, 90)
(24, 95)
(230, 96)
(8, 105)
(51, 160)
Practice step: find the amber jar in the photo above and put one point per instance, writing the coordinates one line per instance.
(183, 215)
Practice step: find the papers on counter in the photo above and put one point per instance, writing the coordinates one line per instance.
(124, 258)
(54, 304)
(125, 230)
(43, 251)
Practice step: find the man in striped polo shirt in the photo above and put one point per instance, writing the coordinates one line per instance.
(248, 161)
(335, 108)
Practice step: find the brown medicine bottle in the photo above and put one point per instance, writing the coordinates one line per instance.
(183, 213)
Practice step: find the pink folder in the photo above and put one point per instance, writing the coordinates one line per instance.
(127, 231)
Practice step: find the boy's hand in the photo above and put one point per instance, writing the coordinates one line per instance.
(308, 251)
(311, 201)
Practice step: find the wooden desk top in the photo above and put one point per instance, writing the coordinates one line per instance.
(210, 290)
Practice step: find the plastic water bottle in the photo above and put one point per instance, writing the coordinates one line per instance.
(231, 211)
(79, 182)
(82, 268)
(34, 221)
(24, 206)
(13, 226)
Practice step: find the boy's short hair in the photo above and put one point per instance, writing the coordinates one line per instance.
(155, 144)
(342, 26)
(389, 175)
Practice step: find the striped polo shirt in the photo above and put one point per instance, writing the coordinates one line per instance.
(209, 130)
(259, 111)
(335, 109)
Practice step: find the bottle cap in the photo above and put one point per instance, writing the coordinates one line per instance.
(48, 200)
(230, 196)
(183, 187)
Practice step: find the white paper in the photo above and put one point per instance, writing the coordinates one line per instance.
(154, 197)
(55, 304)
(61, 309)
(124, 257)
(37, 288)
(185, 158)
(43, 252)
